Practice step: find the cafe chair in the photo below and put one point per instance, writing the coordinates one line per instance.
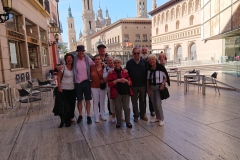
(27, 98)
(195, 79)
(212, 80)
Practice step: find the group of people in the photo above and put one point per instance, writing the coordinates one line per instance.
(87, 79)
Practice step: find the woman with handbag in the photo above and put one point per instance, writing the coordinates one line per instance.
(98, 88)
(66, 91)
(120, 91)
(157, 78)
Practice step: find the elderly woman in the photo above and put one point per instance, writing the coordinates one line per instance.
(119, 83)
(157, 78)
(98, 93)
(108, 68)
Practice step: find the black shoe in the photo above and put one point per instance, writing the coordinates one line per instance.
(79, 119)
(61, 124)
(67, 124)
(129, 125)
(89, 120)
(118, 125)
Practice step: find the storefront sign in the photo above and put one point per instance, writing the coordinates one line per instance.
(32, 40)
(54, 30)
(15, 34)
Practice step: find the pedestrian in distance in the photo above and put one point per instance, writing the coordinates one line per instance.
(162, 58)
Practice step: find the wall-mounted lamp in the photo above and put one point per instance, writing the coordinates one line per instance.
(56, 36)
(7, 6)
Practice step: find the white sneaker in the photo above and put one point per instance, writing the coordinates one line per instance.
(103, 118)
(97, 119)
(113, 119)
(161, 123)
(154, 120)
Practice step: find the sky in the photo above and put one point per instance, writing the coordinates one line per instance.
(117, 9)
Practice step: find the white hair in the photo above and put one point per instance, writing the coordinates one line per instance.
(117, 59)
(150, 56)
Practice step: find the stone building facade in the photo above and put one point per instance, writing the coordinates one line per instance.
(176, 30)
(24, 42)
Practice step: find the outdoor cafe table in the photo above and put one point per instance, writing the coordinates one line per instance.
(188, 75)
(175, 73)
(48, 86)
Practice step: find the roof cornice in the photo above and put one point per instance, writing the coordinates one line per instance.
(164, 6)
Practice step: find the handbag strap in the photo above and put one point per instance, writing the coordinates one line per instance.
(98, 73)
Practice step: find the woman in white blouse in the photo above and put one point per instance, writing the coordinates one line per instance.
(157, 78)
(66, 87)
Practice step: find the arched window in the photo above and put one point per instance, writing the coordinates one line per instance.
(173, 14)
(177, 24)
(191, 20)
(159, 19)
(178, 11)
(154, 22)
(193, 55)
(167, 16)
(178, 54)
(166, 28)
(184, 9)
(163, 18)
(156, 31)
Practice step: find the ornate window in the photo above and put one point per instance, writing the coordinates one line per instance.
(166, 28)
(177, 24)
(191, 20)
(193, 55)
(178, 11)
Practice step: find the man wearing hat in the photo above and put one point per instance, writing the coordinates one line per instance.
(102, 51)
(82, 80)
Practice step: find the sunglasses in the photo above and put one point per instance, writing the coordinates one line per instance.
(136, 53)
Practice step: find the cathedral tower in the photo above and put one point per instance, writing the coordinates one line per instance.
(88, 23)
(72, 44)
(142, 9)
(154, 4)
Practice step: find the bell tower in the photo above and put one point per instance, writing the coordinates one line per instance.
(88, 18)
(72, 44)
(141, 8)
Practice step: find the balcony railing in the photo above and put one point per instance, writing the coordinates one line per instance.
(47, 6)
(42, 7)
(53, 20)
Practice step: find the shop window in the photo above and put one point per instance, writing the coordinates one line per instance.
(44, 57)
(12, 23)
(15, 57)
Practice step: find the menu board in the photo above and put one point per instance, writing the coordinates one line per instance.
(13, 53)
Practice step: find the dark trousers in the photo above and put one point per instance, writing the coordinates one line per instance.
(70, 101)
(149, 103)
